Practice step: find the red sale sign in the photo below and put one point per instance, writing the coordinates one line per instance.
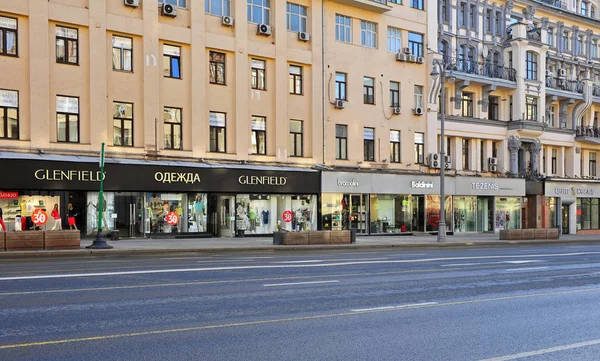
(39, 217)
(9, 195)
(287, 216)
(172, 218)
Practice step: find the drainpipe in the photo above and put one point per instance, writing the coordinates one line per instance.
(323, 80)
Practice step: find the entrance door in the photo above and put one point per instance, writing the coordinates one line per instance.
(222, 215)
(565, 219)
(358, 213)
(129, 209)
(485, 214)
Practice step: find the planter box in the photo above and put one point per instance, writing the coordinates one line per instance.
(552, 233)
(541, 233)
(341, 237)
(528, 234)
(319, 237)
(511, 234)
(295, 238)
(54, 240)
(24, 241)
(2, 241)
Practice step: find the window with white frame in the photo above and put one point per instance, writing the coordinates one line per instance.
(297, 17)
(420, 148)
(67, 119)
(218, 7)
(258, 70)
(9, 114)
(394, 40)
(8, 36)
(368, 34)
(341, 142)
(259, 11)
(343, 28)
(418, 96)
(122, 53)
(531, 108)
(259, 135)
(394, 146)
(172, 61)
(180, 3)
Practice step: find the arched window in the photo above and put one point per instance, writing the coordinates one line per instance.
(592, 11)
(531, 64)
(461, 58)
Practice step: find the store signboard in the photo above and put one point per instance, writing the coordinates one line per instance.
(570, 191)
(377, 183)
(9, 195)
(483, 186)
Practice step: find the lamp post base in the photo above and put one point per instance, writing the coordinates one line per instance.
(99, 242)
(441, 232)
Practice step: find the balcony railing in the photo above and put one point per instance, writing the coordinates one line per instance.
(587, 131)
(596, 90)
(384, 2)
(487, 69)
(556, 3)
(575, 86)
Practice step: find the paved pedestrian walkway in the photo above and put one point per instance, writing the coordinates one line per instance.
(147, 246)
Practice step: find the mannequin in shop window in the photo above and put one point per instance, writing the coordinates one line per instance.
(198, 213)
(57, 220)
(252, 216)
(71, 217)
(242, 216)
(2, 222)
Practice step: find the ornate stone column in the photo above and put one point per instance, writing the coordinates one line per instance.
(514, 144)
(534, 150)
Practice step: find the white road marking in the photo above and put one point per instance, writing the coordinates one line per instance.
(307, 261)
(525, 269)
(394, 307)
(334, 264)
(521, 262)
(298, 283)
(464, 264)
(544, 351)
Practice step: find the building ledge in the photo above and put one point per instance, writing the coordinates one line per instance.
(492, 123)
(379, 6)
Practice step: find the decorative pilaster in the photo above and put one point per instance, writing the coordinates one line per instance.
(486, 91)
(458, 88)
(534, 151)
(514, 144)
(562, 111)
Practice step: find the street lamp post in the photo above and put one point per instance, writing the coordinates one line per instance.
(442, 73)
(99, 242)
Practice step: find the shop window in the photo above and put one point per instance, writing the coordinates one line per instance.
(341, 142)
(262, 213)
(368, 90)
(369, 144)
(420, 148)
(295, 80)
(259, 11)
(67, 45)
(9, 114)
(296, 141)
(18, 208)
(158, 205)
(508, 213)
(217, 67)
(67, 119)
(218, 132)
(259, 135)
(258, 74)
(218, 7)
(8, 36)
(172, 128)
(465, 212)
(108, 208)
(123, 124)
(297, 17)
(122, 53)
(395, 146)
(432, 216)
(172, 61)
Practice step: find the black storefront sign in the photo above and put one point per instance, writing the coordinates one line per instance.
(76, 176)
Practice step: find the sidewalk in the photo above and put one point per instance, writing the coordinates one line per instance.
(153, 246)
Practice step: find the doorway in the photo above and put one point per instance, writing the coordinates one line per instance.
(485, 214)
(358, 212)
(222, 217)
(565, 219)
(128, 209)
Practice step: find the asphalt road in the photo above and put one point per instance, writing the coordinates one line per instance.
(487, 303)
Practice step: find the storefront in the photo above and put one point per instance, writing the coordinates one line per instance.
(573, 205)
(488, 204)
(208, 198)
(376, 203)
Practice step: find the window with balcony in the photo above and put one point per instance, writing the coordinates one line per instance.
(340, 86)
(394, 146)
(259, 135)
(465, 153)
(531, 108)
(341, 142)
(593, 164)
(218, 7)
(368, 34)
(394, 40)
(297, 17)
(9, 114)
(67, 45)
(420, 148)
(368, 90)
(173, 135)
(217, 130)
(123, 124)
(369, 144)
(259, 11)
(531, 66)
(394, 94)
(343, 28)
(467, 104)
(417, 4)
(493, 107)
(296, 138)
(67, 119)
(8, 36)
(122, 53)
(415, 43)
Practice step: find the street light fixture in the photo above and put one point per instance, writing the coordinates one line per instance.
(444, 71)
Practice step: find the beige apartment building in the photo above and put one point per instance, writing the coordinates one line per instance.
(223, 112)
(524, 103)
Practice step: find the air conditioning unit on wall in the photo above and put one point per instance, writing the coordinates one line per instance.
(303, 36)
(168, 10)
(227, 21)
(264, 29)
(132, 3)
(340, 104)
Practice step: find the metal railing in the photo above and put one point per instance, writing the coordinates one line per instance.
(556, 3)
(575, 86)
(384, 2)
(595, 90)
(487, 69)
(587, 131)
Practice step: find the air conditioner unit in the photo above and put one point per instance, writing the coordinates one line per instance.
(406, 50)
(264, 29)
(412, 58)
(493, 168)
(340, 104)
(169, 10)
(493, 161)
(434, 160)
(420, 59)
(401, 57)
(227, 21)
(562, 72)
(303, 36)
(418, 111)
(132, 3)
(397, 110)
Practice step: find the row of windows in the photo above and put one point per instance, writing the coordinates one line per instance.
(341, 145)
(565, 43)
(368, 35)
(341, 91)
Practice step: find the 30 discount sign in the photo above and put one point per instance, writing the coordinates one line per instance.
(39, 217)
(287, 216)
(172, 218)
